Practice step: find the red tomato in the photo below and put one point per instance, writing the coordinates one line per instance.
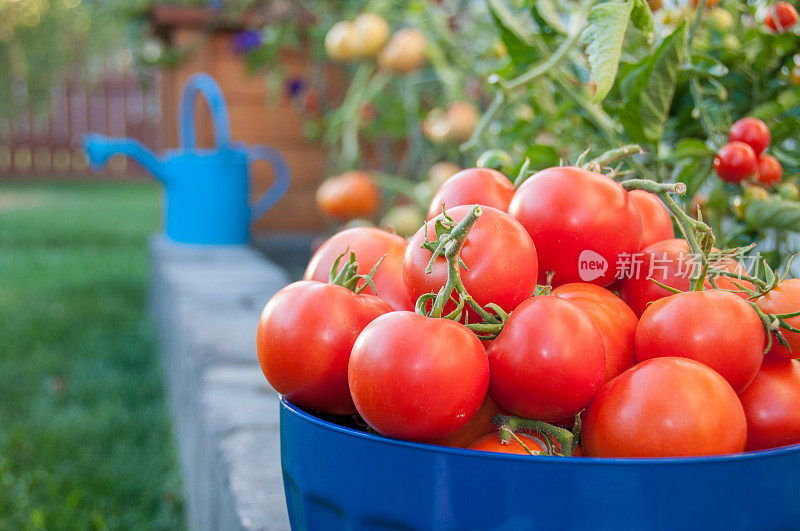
(656, 221)
(500, 257)
(493, 443)
(671, 263)
(770, 170)
(664, 407)
(714, 327)
(548, 361)
(735, 162)
(612, 317)
(304, 339)
(473, 186)
(772, 405)
(752, 132)
(786, 15)
(350, 195)
(417, 378)
(369, 245)
(479, 425)
(580, 222)
(784, 299)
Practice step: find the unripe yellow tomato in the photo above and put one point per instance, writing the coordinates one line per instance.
(720, 19)
(440, 172)
(405, 220)
(462, 118)
(342, 42)
(372, 31)
(436, 126)
(405, 51)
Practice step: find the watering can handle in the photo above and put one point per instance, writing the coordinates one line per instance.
(204, 84)
(282, 178)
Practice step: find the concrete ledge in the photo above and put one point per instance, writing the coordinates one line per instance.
(206, 302)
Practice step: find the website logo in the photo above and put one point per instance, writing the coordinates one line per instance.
(591, 265)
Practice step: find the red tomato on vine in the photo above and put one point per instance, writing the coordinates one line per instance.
(785, 298)
(656, 221)
(473, 186)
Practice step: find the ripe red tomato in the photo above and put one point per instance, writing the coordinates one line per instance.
(656, 221)
(752, 132)
(473, 186)
(671, 263)
(580, 222)
(417, 378)
(350, 195)
(785, 298)
(714, 327)
(500, 257)
(548, 362)
(786, 15)
(369, 245)
(479, 425)
(612, 317)
(664, 407)
(772, 405)
(493, 443)
(770, 170)
(304, 339)
(735, 162)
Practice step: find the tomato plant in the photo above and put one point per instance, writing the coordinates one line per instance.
(548, 362)
(664, 407)
(772, 405)
(305, 335)
(417, 378)
(369, 245)
(575, 216)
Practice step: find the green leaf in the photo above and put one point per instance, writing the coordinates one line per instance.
(690, 148)
(704, 66)
(542, 156)
(648, 90)
(642, 17)
(516, 32)
(604, 36)
(549, 14)
(773, 212)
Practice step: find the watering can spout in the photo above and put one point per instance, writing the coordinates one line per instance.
(100, 148)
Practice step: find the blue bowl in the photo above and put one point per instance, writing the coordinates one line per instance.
(341, 478)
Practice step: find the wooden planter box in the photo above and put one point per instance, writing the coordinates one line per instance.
(256, 117)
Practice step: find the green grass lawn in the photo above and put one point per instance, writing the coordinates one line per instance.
(85, 437)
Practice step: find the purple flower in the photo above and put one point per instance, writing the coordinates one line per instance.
(294, 86)
(247, 41)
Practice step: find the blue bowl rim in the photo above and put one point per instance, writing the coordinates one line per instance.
(638, 461)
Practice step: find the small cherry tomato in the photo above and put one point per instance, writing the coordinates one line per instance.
(372, 31)
(580, 221)
(304, 339)
(786, 15)
(369, 244)
(462, 118)
(473, 186)
(752, 132)
(417, 378)
(342, 42)
(493, 443)
(709, 3)
(772, 405)
(350, 195)
(500, 257)
(664, 407)
(656, 221)
(770, 170)
(785, 298)
(548, 362)
(714, 327)
(735, 162)
(789, 191)
(440, 172)
(612, 317)
(404, 52)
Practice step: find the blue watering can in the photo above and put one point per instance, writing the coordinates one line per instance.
(206, 190)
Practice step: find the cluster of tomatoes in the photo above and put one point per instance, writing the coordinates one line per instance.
(512, 318)
(743, 156)
(369, 36)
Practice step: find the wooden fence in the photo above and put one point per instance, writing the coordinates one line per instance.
(50, 145)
